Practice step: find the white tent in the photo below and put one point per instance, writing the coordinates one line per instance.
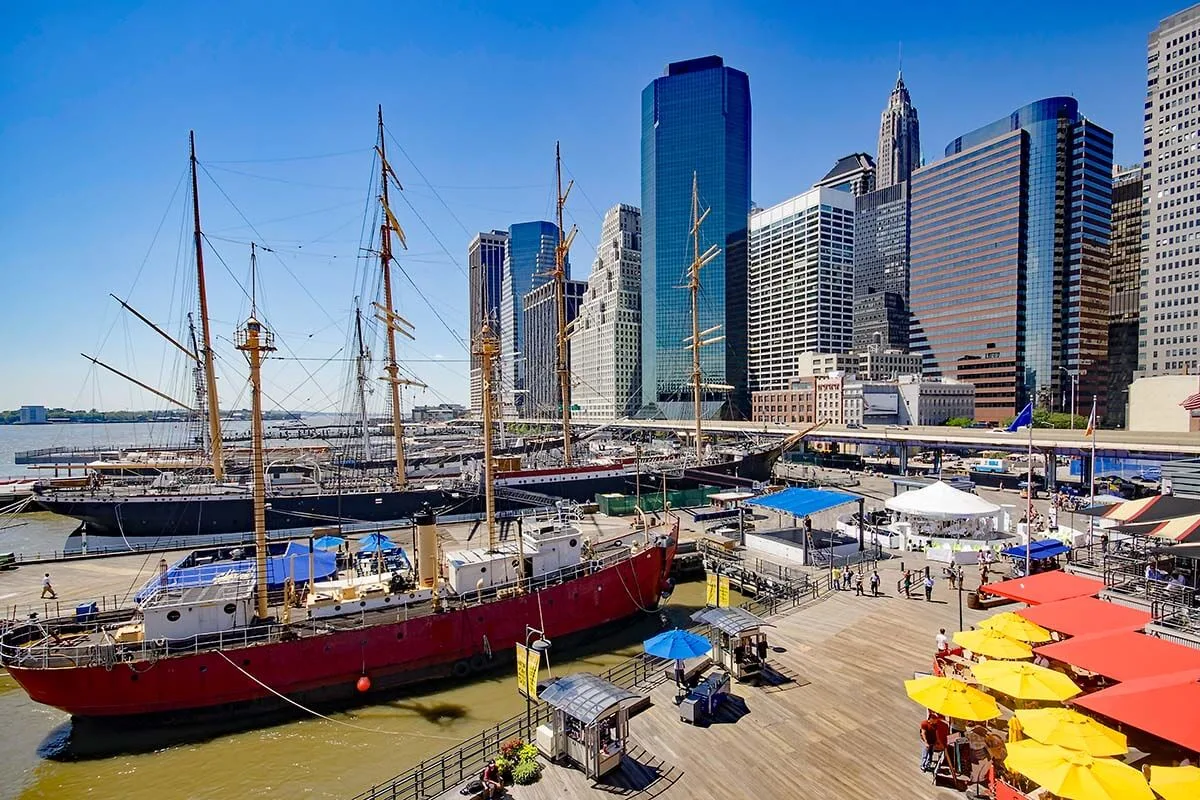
(941, 501)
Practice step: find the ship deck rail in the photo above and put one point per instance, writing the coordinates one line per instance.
(72, 642)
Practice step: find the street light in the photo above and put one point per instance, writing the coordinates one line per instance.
(1074, 384)
(541, 646)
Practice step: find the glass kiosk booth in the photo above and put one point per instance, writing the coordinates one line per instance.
(739, 643)
(590, 723)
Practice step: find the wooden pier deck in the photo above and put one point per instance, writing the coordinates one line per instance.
(841, 728)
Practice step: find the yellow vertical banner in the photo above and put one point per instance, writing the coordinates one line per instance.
(716, 592)
(723, 591)
(529, 663)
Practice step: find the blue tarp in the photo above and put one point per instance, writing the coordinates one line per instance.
(802, 502)
(294, 564)
(1044, 548)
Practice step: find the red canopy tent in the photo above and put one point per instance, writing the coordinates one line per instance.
(1044, 587)
(1123, 655)
(1166, 706)
(1082, 616)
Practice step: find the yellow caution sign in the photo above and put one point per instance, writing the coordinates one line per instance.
(529, 663)
(717, 590)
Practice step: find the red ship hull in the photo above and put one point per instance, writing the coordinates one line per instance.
(326, 668)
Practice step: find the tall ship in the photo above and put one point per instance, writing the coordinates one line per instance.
(217, 506)
(260, 629)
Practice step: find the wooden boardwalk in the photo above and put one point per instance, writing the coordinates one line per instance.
(841, 728)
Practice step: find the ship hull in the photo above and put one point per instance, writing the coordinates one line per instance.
(172, 516)
(325, 669)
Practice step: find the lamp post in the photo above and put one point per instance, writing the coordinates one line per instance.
(541, 645)
(1074, 376)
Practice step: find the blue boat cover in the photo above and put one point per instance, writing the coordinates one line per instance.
(294, 564)
(1043, 548)
(802, 502)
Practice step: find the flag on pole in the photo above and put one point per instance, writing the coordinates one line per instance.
(1024, 419)
(1192, 403)
(1091, 428)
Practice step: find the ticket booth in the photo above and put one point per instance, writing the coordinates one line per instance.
(590, 723)
(739, 642)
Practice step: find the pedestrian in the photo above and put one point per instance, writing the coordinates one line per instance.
(981, 559)
(934, 733)
(875, 583)
(908, 579)
(858, 584)
(47, 589)
(950, 576)
(988, 557)
(928, 587)
(847, 578)
(942, 640)
(837, 578)
(983, 575)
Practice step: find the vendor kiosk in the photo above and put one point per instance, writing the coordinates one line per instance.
(739, 643)
(590, 723)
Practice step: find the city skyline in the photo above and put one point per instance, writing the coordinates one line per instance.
(116, 213)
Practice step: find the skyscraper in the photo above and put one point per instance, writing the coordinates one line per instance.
(801, 283)
(1169, 331)
(1009, 262)
(881, 230)
(485, 271)
(1125, 286)
(695, 120)
(899, 139)
(543, 398)
(528, 262)
(606, 347)
(854, 173)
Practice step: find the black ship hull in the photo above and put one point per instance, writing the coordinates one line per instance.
(166, 516)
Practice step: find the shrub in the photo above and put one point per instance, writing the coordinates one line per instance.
(527, 772)
(505, 765)
(510, 748)
(527, 752)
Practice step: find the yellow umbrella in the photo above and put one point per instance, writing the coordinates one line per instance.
(1015, 626)
(1072, 730)
(1015, 734)
(1176, 783)
(992, 644)
(1025, 681)
(952, 698)
(1074, 775)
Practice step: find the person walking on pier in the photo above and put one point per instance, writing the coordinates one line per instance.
(928, 588)
(836, 582)
(858, 584)
(47, 589)
(875, 583)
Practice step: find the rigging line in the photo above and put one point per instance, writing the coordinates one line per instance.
(318, 714)
(293, 158)
(291, 251)
(457, 337)
(428, 185)
(571, 175)
(287, 181)
(145, 258)
(299, 215)
(263, 240)
(417, 214)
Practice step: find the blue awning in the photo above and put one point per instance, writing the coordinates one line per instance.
(1044, 548)
(802, 502)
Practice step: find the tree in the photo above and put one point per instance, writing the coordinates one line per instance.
(959, 422)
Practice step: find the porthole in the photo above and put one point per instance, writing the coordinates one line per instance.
(483, 569)
(573, 543)
(387, 599)
(133, 677)
(362, 603)
(245, 662)
(337, 608)
(172, 616)
(230, 608)
(516, 563)
(203, 668)
(400, 634)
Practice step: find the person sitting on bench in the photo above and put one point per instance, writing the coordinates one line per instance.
(493, 785)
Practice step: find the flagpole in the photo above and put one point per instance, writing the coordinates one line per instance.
(1092, 475)
(1029, 496)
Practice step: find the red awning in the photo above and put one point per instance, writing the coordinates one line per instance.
(1166, 706)
(1123, 655)
(1081, 616)
(1044, 587)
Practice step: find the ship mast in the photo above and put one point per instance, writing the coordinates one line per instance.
(254, 340)
(387, 315)
(210, 375)
(361, 361)
(487, 350)
(560, 298)
(695, 342)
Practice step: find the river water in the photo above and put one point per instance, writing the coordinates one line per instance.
(42, 756)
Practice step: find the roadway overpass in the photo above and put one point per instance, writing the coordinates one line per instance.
(1149, 445)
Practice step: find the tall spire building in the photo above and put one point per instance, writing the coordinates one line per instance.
(881, 231)
(899, 139)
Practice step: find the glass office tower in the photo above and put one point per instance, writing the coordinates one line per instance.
(1010, 239)
(528, 262)
(695, 119)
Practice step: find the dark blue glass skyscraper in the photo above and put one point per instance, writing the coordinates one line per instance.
(528, 262)
(1010, 239)
(695, 119)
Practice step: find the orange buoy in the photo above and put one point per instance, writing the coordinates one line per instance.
(364, 684)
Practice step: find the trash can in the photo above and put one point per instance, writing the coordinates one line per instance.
(86, 612)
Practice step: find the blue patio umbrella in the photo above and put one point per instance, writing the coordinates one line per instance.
(374, 539)
(329, 543)
(677, 645)
(376, 545)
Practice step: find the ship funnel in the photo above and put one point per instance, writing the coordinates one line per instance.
(427, 547)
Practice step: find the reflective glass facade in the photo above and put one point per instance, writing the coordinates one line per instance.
(881, 244)
(485, 260)
(1018, 214)
(695, 119)
(527, 265)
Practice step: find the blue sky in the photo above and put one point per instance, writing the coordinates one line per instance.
(98, 99)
